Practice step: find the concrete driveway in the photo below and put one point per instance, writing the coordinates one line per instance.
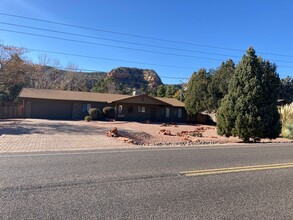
(28, 135)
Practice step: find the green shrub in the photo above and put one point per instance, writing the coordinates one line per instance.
(109, 112)
(88, 118)
(95, 113)
(286, 116)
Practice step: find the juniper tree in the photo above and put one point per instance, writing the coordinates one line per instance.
(218, 87)
(161, 91)
(249, 109)
(170, 91)
(197, 94)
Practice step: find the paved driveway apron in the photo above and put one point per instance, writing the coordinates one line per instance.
(28, 135)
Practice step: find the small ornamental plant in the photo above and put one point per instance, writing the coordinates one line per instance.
(88, 118)
(109, 112)
(95, 113)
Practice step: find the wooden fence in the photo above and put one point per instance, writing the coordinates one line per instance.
(11, 110)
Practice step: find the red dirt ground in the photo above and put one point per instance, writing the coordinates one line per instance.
(148, 133)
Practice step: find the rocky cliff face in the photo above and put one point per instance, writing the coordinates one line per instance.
(120, 80)
(136, 78)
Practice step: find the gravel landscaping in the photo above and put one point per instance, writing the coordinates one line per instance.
(149, 133)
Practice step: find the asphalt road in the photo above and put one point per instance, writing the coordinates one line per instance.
(150, 183)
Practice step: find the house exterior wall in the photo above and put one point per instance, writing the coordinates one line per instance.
(154, 111)
(130, 112)
(48, 109)
(58, 109)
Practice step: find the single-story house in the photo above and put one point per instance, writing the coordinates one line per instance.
(74, 105)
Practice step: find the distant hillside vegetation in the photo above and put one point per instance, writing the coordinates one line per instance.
(17, 73)
(52, 78)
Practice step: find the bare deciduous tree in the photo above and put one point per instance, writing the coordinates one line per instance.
(44, 59)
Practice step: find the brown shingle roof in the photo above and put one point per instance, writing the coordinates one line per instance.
(171, 101)
(84, 96)
(69, 95)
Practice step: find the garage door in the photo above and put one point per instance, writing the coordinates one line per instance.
(51, 109)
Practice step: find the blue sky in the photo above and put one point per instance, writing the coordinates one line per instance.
(212, 31)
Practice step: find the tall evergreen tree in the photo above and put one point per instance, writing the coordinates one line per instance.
(161, 91)
(249, 109)
(152, 92)
(197, 94)
(287, 89)
(170, 91)
(218, 86)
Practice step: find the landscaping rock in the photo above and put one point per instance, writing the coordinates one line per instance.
(113, 133)
(164, 132)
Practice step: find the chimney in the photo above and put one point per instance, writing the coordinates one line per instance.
(134, 92)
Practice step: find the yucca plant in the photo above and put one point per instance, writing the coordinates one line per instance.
(286, 116)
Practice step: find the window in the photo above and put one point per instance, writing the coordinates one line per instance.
(179, 112)
(167, 112)
(141, 109)
(86, 107)
(175, 113)
(120, 109)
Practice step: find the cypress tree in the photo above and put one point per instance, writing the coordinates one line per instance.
(249, 110)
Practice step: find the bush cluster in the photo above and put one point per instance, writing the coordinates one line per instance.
(97, 114)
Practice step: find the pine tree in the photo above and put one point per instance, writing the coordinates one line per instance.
(249, 109)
